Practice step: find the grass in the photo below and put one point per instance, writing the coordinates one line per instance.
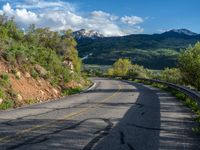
(4, 79)
(31, 101)
(71, 91)
(2, 94)
(7, 104)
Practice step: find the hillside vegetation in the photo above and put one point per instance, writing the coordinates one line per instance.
(37, 56)
(187, 71)
(156, 51)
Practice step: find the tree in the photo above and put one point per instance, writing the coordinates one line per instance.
(121, 67)
(189, 64)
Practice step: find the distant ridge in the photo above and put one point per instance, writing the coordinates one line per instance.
(155, 51)
(181, 32)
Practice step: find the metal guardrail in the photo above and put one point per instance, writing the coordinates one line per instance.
(190, 93)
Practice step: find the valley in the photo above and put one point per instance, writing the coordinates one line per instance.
(156, 51)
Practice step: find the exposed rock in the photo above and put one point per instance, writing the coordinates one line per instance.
(41, 70)
(19, 98)
(27, 75)
(39, 83)
(18, 75)
(68, 63)
(42, 92)
(1, 101)
(55, 91)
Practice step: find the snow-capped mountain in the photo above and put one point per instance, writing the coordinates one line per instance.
(83, 33)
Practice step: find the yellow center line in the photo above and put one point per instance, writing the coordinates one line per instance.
(7, 139)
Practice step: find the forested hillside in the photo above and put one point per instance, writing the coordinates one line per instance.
(155, 51)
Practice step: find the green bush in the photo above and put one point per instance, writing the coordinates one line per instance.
(71, 91)
(7, 104)
(137, 71)
(34, 73)
(2, 94)
(172, 75)
(4, 80)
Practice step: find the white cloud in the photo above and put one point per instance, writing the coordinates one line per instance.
(21, 15)
(163, 30)
(131, 20)
(41, 4)
(59, 15)
(103, 15)
(7, 8)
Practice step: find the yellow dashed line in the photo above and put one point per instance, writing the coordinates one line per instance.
(7, 139)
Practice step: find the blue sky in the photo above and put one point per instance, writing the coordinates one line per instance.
(110, 17)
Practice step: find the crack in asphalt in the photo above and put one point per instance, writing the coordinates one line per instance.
(52, 110)
(102, 134)
(44, 137)
(143, 127)
(123, 142)
(130, 146)
(122, 137)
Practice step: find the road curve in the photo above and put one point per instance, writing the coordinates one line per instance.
(116, 115)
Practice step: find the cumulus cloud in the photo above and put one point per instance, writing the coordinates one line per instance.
(22, 15)
(59, 15)
(131, 20)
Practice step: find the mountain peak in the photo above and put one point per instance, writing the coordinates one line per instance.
(181, 32)
(91, 34)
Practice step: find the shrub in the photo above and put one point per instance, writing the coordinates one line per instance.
(2, 94)
(7, 104)
(71, 91)
(172, 75)
(137, 71)
(4, 79)
(34, 73)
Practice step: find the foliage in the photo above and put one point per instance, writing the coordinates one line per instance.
(137, 71)
(4, 79)
(151, 51)
(2, 94)
(95, 70)
(121, 67)
(7, 104)
(172, 75)
(40, 46)
(51, 51)
(110, 72)
(71, 91)
(189, 64)
(124, 67)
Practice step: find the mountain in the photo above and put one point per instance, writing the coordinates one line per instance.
(180, 32)
(156, 51)
(87, 34)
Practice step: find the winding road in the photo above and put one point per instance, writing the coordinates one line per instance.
(114, 115)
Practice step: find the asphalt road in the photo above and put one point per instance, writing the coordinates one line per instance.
(115, 115)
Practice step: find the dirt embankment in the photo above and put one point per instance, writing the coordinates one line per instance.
(26, 88)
